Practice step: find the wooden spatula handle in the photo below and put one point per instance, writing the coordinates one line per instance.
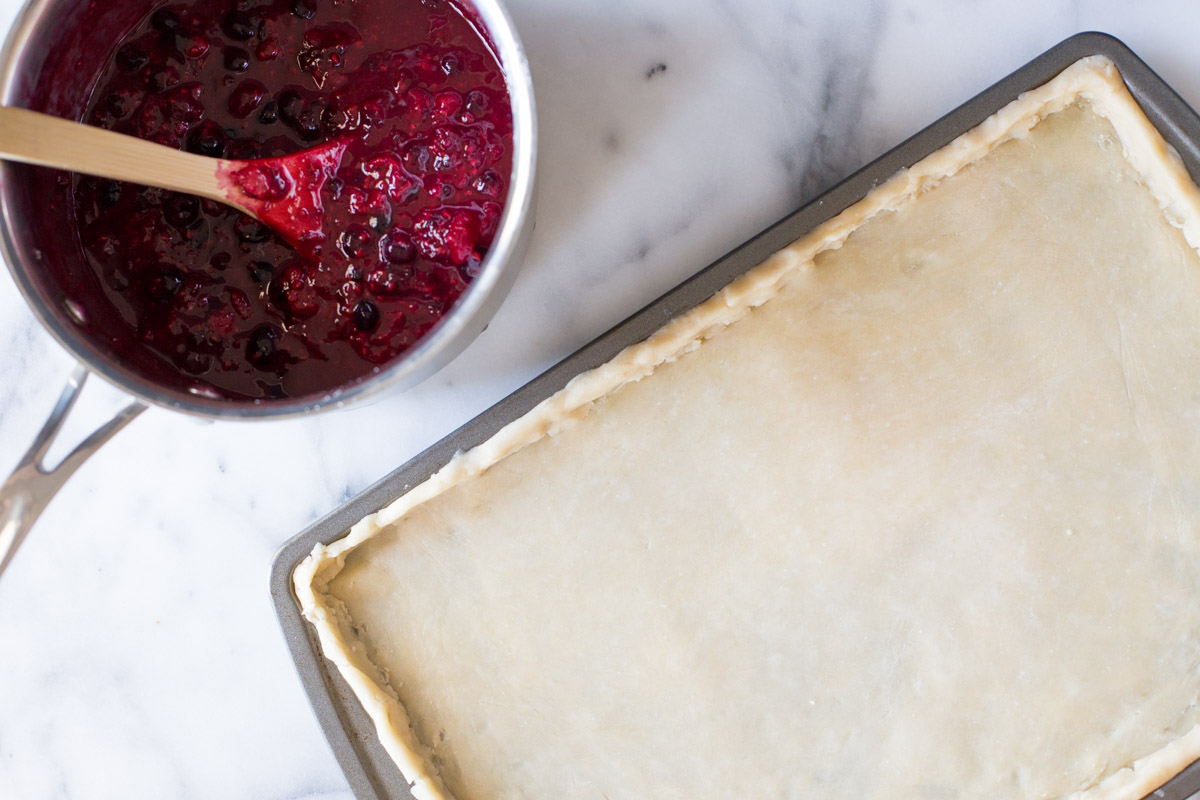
(34, 138)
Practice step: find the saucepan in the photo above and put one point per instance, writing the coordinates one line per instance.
(51, 29)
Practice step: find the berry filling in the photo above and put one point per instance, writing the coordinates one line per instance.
(418, 102)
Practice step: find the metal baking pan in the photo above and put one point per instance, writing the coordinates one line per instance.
(371, 773)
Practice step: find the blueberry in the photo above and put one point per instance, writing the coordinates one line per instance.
(131, 58)
(269, 113)
(263, 344)
(163, 79)
(366, 316)
(198, 234)
(339, 119)
(277, 295)
(477, 103)
(354, 240)
(246, 149)
(308, 126)
(194, 362)
(164, 284)
(304, 9)
(207, 139)
(398, 248)
(164, 20)
(236, 59)
(250, 231)
(117, 104)
(239, 25)
(208, 146)
(182, 210)
(108, 193)
(291, 106)
(261, 271)
(489, 183)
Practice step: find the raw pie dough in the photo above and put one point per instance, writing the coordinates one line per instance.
(912, 510)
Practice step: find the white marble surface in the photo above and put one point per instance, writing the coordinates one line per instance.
(139, 654)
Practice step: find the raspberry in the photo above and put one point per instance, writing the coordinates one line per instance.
(448, 235)
(262, 347)
(246, 98)
(296, 285)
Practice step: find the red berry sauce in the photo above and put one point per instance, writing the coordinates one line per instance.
(421, 103)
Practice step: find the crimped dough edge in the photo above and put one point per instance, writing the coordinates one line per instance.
(1094, 79)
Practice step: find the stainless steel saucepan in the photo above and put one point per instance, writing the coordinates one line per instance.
(51, 29)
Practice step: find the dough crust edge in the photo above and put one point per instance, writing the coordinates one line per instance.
(1094, 79)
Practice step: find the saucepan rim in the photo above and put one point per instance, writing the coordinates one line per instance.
(453, 332)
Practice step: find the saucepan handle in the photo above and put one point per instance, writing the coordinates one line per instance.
(31, 486)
